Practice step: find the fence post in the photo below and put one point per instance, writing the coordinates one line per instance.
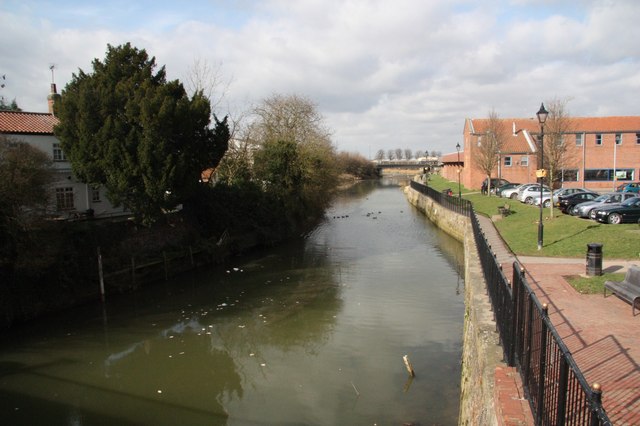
(596, 401)
(515, 291)
(562, 390)
(529, 330)
(543, 360)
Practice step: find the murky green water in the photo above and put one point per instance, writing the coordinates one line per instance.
(310, 333)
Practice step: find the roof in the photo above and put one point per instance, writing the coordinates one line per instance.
(578, 124)
(27, 122)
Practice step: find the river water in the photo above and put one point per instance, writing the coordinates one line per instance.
(309, 333)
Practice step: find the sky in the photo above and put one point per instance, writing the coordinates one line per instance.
(384, 74)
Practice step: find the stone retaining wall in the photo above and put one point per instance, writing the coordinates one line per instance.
(481, 352)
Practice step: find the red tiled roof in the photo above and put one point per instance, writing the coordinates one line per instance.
(27, 122)
(578, 124)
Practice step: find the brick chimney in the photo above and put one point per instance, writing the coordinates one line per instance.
(52, 98)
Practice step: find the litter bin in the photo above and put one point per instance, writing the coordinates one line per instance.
(594, 259)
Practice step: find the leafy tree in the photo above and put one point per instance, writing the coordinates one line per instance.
(489, 147)
(126, 127)
(295, 157)
(357, 165)
(25, 176)
(13, 106)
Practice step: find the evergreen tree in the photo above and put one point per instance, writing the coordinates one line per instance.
(126, 127)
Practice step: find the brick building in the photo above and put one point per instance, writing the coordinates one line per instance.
(601, 153)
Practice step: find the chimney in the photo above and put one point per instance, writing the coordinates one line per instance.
(514, 128)
(52, 98)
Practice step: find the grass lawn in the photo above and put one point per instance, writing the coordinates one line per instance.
(564, 235)
(592, 285)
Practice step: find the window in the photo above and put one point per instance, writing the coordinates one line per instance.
(579, 139)
(64, 198)
(524, 161)
(618, 138)
(95, 195)
(608, 174)
(598, 138)
(58, 154)
(507, 161)
(638, 138)
(569, 175)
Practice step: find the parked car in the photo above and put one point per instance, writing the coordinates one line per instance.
(528, 193)
(546, 199)
(513, 192)
(495, 183)
(585, 209)
(566, 203)
(630, 187)
(626, 212)
(506, 187)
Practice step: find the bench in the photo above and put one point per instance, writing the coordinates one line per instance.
(627, 289)
(504, 210)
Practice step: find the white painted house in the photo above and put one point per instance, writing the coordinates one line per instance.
(70, 198)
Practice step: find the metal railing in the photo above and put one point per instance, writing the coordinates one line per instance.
(455, 204)
(557, 391)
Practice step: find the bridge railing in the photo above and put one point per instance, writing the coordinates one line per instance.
(556, 388)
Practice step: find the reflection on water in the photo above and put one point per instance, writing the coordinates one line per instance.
(312, 332)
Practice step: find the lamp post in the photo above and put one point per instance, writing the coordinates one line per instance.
(542, 117)
(458, 149)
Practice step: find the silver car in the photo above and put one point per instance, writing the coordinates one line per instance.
(513, 192)
(562, 192)
(588, 208)
(529, 193)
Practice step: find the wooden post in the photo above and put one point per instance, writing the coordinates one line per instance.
(101, 276)
(407, 363)
(166, 266)
(133, 271)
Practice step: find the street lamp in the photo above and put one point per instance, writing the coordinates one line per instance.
(458, 149)
(542, 117)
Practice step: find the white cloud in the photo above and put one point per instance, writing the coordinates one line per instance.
(386, 75)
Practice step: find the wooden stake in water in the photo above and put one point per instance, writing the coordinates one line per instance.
(100, 275)
(407, 363)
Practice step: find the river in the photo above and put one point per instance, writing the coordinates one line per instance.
(312, 332)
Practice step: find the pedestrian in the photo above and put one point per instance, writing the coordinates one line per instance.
(483, 189)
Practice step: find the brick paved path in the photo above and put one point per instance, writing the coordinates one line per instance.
(602, 335)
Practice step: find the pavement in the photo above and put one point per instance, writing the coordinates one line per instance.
(601, 333)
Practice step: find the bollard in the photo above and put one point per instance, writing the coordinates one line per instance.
(594, 259)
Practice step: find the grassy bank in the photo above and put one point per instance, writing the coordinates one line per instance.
(564, 235)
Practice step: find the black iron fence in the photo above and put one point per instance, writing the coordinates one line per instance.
(557, 391)
(445, 198)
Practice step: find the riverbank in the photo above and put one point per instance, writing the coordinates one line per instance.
(490, 390)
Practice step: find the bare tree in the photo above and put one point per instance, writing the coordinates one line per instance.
(558, 124)
(391, 154)
(380, 155)
(408, 154)
(420, 154)
(207, 79)
(399, 154)
(490, 145)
